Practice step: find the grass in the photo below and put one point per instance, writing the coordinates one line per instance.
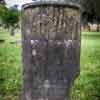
(10, 69)
(87, 86)
(6, 36)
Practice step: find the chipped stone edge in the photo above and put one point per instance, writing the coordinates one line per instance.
(51, 3)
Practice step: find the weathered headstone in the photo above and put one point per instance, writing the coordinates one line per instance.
(51, 49)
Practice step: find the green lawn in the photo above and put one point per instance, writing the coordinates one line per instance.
(10, 68)
(87, 86)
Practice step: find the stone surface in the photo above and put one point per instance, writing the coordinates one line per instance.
(51, 51)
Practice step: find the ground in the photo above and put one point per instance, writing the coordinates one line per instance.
(86, 87)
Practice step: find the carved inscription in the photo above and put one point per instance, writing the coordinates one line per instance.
(51, 51)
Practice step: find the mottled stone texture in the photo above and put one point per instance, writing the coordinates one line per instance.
(51, 51)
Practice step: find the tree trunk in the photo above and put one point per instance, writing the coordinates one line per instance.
(12, 32)
(98, 27)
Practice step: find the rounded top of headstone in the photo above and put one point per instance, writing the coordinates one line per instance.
(69, 3)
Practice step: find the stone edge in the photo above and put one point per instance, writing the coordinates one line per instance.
(45, 3)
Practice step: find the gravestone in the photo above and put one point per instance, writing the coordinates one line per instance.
(51, 49)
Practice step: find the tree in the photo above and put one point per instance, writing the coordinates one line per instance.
(3, 11)
(90, 5)
(12, 20)
(9, 18)
(91, 11)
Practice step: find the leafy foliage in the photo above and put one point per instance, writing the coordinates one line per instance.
(9, 17)
(91, 6)
(3, 12)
